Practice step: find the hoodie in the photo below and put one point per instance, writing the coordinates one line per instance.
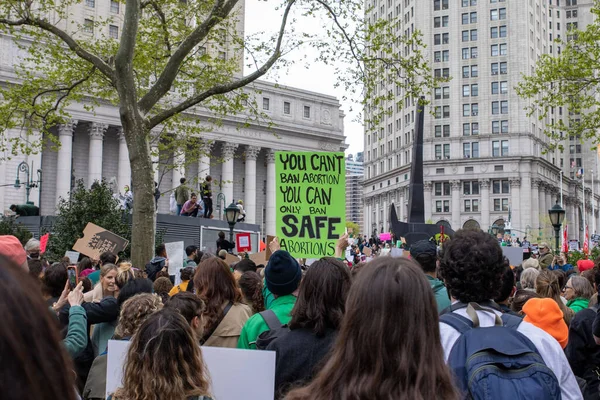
(155, 265)
(578, 304)
(546, 315)
(440, 292)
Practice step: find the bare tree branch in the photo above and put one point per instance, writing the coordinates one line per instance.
(162, 85)
(65, 37)
(225, 88)
(163, 21)
(124, 58)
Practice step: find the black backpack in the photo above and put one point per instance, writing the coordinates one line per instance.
(276, 329)
(153, 268)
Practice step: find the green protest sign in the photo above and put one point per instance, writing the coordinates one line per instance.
(310, 202)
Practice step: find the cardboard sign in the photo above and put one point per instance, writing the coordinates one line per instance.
(175, 255)
(259, 258)
(73, 256)
(44, 243)
(254, 371)
(595, 238)
(367, 251)
(385, 236)
(269, 252)
(310, 202)
(97, 240)
(231, 259)
(242, 242)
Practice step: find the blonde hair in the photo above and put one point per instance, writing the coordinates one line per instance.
(135, 311)
(106, 268)
(125, 274)
(546, 285)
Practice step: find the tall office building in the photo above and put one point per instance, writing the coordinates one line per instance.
(354, 190)
(484, 157)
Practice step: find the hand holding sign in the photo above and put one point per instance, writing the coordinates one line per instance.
(274, 245)
(341, 245)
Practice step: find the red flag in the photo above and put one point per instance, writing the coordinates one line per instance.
(586, 246)
(44, 243)
(442, 234)
(565, 241)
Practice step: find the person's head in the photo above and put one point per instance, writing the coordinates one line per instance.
(160, 250)
(240, 202)
(134, 312)
(36, 268)
(162, 286)
(161, 274)
(187, 273)
(520, 298)
(578, 287)
(208, 178)
(282, 274)
(191, 251)
(589, 275)
(546, 315)
(531, 263)
(251, 285)
(547, 285)
(544, 249)
(108, 277)
(243, 266)
(11, 248)
(215, 285)
(107, 258)
(356, 268)
(13, 208)
(194, 198)
(54, 280)
(164, 361)
(86, 284)
(322, 296)
(222, 254)
(125, 273)
(472, 265)
(508, 286)
(561, 276)
(133, 287)
(32, 248)
(424, 252)
(34, 362)
(221, 235)
(528, 278)
(394, 363)
(584, 265)
(182, 180)
(191, 307)
(85, 263)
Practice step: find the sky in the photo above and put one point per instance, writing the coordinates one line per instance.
(262, 18)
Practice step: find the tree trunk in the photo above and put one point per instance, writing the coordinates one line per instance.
(142, 178)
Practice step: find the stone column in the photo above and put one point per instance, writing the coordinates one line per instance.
(385, 213)
(455, 204)
(515, 188)
(270, 203)
(64, 161)
(250, 186)
(178, 167)
(97, 132)
(401, 204)
(204, 161)
(154, 151)
(124, 174)
(484, 189)
(427, 187)
(228, 151)
(535, 207)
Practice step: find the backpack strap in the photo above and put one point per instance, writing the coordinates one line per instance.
(511, 321)
(458, 322)
(271, 319)
(214, 327)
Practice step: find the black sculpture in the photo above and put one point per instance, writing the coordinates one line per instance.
(416, 229)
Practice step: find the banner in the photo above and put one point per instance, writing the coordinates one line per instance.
(97, 240)
(586, 242)
(44, 243)
(175, 255)
(310, 202)
(385, 236)
(565, 242)
(242, 242)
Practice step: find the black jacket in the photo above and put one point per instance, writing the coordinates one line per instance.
(583, 353)
(300, 356)
(223, 244)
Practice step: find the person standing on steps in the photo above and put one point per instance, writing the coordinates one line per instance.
(182, 194)
(206, 191)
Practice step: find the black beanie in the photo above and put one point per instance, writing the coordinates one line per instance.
(282, 274)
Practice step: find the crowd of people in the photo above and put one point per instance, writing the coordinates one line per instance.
(439, 322)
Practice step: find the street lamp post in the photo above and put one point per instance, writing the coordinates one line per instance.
(231, 215)
(29, 183)
(557, 215)
(494, 230)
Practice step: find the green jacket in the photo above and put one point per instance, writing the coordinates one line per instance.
(440, 292)
(267, 295)
(281, 306)
(578, 304)
(77, 338)
(546, 260)
(182, 194)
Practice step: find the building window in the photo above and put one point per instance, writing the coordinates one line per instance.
(504, 126)
(438, 151)
(466, 110)
(466, 54)
(466, 90)
(500, 186)
(470, 188)
(504, 107)
(88, 25)
(113, 31)
(473, 17)
(440, 5)
(496, 148)
(495, 107)
(474, 71)
(501, 204)
(306, 112)
(446, 206)
(471, 150)
(504, 150)
(287, 108)
(503, 87)
(222, 55)
(438, 206)
(446, 111)
(442, 188)
(114, 6)
(90, 3)
(266, 103)
(447, 151)
(473, 35)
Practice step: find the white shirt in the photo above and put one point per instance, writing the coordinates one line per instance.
(547, 346)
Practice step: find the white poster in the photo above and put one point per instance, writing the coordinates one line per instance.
(175, 255)
(396, 252)
(73, 256)
(254, 371)
(514, 255)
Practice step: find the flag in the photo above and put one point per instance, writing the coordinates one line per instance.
(586, 246)
(579, 173)
(565, 241)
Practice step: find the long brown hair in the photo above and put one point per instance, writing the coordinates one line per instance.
(251, 285)
(164, 361)
(547, 285)
(215, 285)
(389, 342)
(34, 363)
